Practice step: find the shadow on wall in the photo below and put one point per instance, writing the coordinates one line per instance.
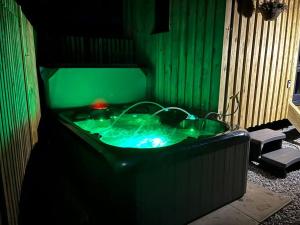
(245, 7)
(148, 67)
(46, 197)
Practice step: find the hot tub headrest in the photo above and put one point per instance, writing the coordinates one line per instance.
(77, 87)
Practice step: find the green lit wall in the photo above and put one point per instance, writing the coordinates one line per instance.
(184, 64)
(19, 106)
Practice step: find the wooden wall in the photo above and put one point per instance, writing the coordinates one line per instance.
(183, 65)
(59, 49)
(19, 105)
(259, 57)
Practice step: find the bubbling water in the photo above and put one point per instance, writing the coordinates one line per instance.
(144, 130)
(125, 133)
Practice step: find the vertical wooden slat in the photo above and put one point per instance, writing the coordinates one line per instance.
(275, 68)
(279, 65)
(246, 73)
(191, 53)
(167, 68)
(208, 56)
(225, 58)
(266, 72)
(290, 50)
(240, 63)
(100, 54)
(283, 74)
(232, 53)
(199, 49)
(175, 49)
(249, 109)
(182, 52)
(164, 94)
(273, 64)
(156, 57)
(262, 25)
(161, 72)
(217, 54)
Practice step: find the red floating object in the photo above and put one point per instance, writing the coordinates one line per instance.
(99, 105)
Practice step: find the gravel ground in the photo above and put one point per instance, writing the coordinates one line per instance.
(289, 186)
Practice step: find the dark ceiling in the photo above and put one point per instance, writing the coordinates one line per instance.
(86, 17)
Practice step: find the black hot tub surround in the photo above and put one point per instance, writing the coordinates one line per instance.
(170, 185)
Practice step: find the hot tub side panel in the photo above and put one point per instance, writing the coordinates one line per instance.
(173, 187)
(105, 196)
(176, 193)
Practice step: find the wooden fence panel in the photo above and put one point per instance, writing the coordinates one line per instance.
(259, 59)
(19, 105)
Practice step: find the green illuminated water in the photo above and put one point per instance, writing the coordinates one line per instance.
(140, 131)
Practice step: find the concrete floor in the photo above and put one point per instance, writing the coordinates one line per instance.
(257, 205)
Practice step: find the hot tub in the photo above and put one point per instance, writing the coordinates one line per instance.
(143, 168)
(156, 178)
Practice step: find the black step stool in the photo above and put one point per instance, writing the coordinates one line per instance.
(264, 141)
(281, 159)
(266, 148)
